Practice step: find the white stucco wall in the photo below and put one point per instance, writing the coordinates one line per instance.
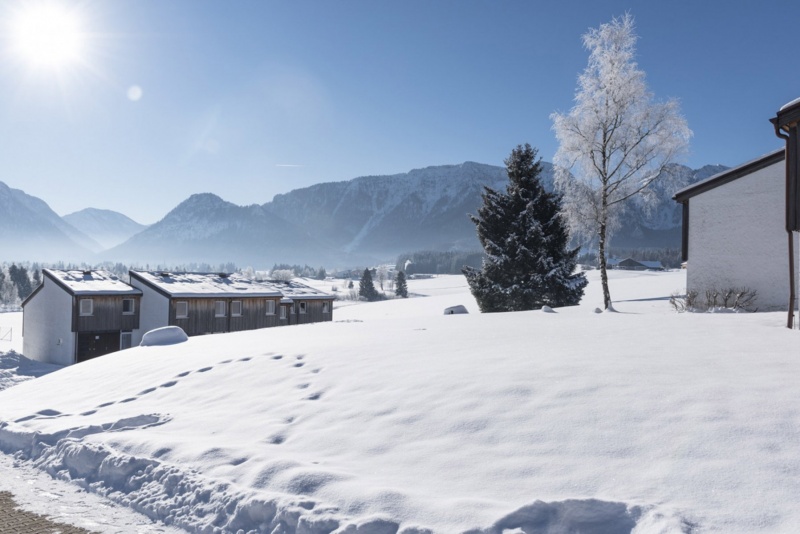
(737, 237)
(153, 312)
(47, 326)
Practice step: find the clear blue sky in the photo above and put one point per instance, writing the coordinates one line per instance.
(249, 99)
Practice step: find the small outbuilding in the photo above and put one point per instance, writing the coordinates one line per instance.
(629, 264)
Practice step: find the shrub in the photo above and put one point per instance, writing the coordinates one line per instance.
(737, 299)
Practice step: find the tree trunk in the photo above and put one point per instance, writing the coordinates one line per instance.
(603, 272)
(602, 251)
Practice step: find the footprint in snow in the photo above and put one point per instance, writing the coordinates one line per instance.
(168, 384)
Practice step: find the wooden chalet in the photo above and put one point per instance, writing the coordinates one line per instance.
(303, 304)
(77, 315)
(209, 303)
(206, 303)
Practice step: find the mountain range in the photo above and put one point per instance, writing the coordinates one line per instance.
(346, 223)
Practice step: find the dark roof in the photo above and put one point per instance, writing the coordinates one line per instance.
(730, 175)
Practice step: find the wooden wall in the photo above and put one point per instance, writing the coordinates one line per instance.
(201, 318)
(313, 312)
(106, 314)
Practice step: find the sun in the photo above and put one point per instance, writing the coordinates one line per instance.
(47, 35)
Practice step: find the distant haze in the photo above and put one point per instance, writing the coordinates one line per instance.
(340, 224)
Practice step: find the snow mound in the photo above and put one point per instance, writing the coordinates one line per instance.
(186, 499)
(547, 309)
(16, 368)
(167, 335)
(455, 310)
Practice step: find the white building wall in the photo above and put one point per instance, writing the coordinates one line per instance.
(737, 237)
(47, 326)
(153, 311)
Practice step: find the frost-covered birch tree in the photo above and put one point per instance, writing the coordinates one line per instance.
(616, 141)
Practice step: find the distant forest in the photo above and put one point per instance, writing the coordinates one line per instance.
(433, 262)
(436, 262)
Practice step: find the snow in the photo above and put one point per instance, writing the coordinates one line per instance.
(202, 284)
(166, 335)
(394, 418)
(92, 282)
(790, 104)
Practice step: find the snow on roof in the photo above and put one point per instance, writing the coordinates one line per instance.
(91, 282)
(202, 284)
(297, 291)
(790, 104)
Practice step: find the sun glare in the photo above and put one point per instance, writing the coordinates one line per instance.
(47, 35)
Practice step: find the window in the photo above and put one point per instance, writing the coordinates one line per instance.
(283, 312)
(87, 306)
(270, 307)
(326, 308)
(181, 309)
(302, 307)
(219, 308)
(236, 308)
(128, 306)
(125, 340)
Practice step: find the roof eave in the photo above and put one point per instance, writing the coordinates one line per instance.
(730, 175)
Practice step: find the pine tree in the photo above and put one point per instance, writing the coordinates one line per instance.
(527, 261)
(366, 289)
(401, 288)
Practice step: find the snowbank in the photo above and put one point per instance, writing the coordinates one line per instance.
(15, 368)
(398, 419)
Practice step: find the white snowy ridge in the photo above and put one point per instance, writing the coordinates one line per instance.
(397, 418)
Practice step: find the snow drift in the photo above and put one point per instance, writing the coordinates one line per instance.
(398, 419)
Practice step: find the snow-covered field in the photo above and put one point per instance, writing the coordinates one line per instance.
(397, 418)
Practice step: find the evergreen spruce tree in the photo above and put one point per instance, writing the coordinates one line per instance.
(19, 277)
(366, 288)
(401, 288)
(527, 261)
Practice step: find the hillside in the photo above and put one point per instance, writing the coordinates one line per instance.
(337, 224)
(109, 228)
(396, 418)
(30, 230)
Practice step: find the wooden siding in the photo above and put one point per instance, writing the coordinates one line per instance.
(202, 320)
(106, 314)
(313, 313)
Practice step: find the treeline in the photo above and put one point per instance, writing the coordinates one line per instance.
(670, 258)
(17, 282)
(433, 262)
